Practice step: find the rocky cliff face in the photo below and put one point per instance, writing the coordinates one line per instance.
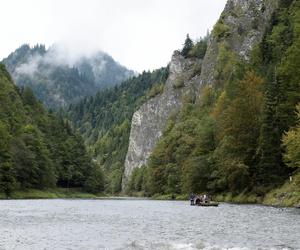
(149, 121)
(240, 27)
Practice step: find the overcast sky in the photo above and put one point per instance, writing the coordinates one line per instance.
(140, 34)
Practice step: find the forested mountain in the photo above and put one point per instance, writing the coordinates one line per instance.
(233, 126)
(58, 80)
(104, 121)
(38, 150)
(242, 133)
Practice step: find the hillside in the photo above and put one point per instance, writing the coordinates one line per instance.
(58, 80)
(37, 149)
(104, 121)
(240, 136)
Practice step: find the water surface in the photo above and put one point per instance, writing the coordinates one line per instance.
(144, 224)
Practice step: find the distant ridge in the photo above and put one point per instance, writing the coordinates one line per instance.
(58, 80)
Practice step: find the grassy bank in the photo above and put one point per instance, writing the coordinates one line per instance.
(288, 195)
(57, 193)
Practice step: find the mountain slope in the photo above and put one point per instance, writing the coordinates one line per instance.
(37, 149)
(234, 138)
(58, 80)
(104, 120)
(232, 38)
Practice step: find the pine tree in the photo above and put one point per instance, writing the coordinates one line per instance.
(188, 45)
(269, 151)
(7, 180)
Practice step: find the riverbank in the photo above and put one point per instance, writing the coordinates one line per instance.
(56, 193)
(288, 195)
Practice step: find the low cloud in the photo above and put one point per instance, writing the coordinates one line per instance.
(60, 55)
(139, 34)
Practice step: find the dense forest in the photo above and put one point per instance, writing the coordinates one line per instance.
(39, 150)
(241, 135)
(104, 121)
(57, 80)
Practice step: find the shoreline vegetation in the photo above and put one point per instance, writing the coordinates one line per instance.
(288, 195)
(53, 193)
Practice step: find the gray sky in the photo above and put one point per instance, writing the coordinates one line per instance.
(140, 34)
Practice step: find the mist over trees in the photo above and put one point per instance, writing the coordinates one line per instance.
(58, 79)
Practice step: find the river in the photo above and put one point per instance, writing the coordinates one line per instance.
(144, 224)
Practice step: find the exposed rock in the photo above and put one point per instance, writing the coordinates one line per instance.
(149, 121)
(246, 22)
(241, 26)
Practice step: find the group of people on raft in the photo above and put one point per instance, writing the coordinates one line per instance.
(198, 199)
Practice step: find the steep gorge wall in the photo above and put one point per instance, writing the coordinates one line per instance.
(149, 121)
(240, 27)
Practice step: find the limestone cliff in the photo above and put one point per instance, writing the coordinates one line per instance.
(240, 27)
(149, 121)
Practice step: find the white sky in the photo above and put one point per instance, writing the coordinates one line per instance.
(140, 34)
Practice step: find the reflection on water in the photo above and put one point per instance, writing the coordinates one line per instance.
(144, 224)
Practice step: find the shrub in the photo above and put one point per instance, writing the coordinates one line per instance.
(156, 89)
(221, 30)
(179, 82)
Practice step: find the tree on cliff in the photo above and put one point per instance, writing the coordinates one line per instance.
(188, 45)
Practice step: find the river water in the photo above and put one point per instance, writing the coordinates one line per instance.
(144, 224)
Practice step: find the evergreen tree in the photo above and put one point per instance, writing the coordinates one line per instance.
(270, 159)
(187, 47)
(7, 179)
(37, 149)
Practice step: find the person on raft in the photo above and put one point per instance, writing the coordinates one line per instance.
(192, 199)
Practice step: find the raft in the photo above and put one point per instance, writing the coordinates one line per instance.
(205, 204)
(203, 201)
(210, 204)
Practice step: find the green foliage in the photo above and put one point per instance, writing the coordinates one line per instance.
(291, 141)
(37, 149)
(210, 145)
(95, 181)
(179, 82)
(104, 121)
(199, 48)
(7, 179)
(226, 62)
(230, 140)
(137, 180)
(221, 30)
(180, 163)
(281, 91)
(187, 47)
(155, 90)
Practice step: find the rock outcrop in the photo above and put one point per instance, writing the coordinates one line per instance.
(149, 121)
(240, 27)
